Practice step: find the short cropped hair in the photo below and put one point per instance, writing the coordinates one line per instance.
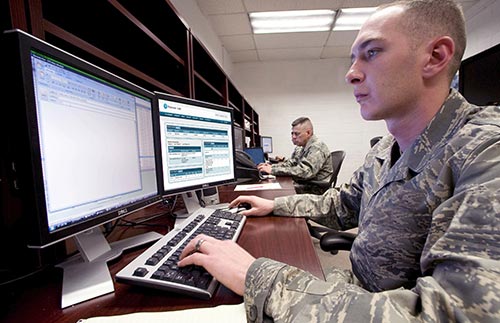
(303, 121)
(424, 19)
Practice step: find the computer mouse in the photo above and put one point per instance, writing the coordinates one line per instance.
(245, 205)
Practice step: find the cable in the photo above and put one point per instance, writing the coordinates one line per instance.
(5, 283)
(141, 221)
(200, 198)
(129, 223)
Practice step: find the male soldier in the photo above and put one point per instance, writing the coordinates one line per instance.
(310, 160)
(426, 200)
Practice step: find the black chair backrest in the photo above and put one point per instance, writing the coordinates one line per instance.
(374, 140)
(337, 159)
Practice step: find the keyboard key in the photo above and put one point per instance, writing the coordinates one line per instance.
(157, 266)
(141, 272)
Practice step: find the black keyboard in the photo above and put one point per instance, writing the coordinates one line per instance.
(157, 266)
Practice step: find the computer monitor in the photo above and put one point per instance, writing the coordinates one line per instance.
(197, 146)
(266, 143)
(257, 154)
(239, 138)
(81, 149)
(479, 77)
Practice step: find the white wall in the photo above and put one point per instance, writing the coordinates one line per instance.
(483, 27)
(283, 91)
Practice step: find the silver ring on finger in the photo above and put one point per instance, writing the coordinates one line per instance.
(198, 245)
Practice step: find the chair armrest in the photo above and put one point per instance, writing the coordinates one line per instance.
(320, 183)
(323, 184)
(340, 240)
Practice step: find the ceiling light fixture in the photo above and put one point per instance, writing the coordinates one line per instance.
(291, 21)
(352, 18)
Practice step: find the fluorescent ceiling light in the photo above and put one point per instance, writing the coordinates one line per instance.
(352, 18)
(291, 21)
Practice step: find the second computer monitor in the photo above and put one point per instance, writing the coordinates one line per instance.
(197, 146)
(266, 142)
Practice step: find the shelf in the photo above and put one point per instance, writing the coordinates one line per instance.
(144, 42)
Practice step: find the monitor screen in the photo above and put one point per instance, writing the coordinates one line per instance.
(257, 154)
(479, 77)
(81, 140)
(196, 140)
(266, 143)
(239, 138)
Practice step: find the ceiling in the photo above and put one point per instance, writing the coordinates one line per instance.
(229, 19)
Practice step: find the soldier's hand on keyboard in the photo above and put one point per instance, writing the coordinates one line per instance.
(264, 167)
(223, 259)
(259, 205)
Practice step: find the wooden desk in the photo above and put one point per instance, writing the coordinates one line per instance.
(285, 239)
(227, 193)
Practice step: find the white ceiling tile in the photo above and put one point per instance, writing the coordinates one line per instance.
(342, 38)
(238, 42)
(274, 5)
(229, 19)
(244, 56)
(289, 40)
(289, 53)
(211, 7)
(236, 24)
(364, 3)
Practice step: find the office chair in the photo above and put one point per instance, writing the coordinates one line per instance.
(337, 158)
(330, 239)
(374, 140)
(333, 240)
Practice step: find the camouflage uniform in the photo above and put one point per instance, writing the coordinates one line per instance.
(428, 248)
(311, 162)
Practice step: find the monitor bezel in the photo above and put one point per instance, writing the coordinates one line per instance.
(262, 143)
(34, 203)
(242, 133)
(474, 73)
(203, 104)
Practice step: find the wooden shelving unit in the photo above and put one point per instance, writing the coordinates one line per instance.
(147, 43)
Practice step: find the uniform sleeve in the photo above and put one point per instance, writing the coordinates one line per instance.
(293, 160)
(460, 268)
(306, 168)
(337, 208)
(458, 291)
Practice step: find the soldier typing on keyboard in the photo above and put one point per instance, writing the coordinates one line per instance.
(426, 200)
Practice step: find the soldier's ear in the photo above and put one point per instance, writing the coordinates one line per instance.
(439, 52)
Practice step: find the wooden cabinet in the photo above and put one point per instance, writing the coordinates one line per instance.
(145, 42)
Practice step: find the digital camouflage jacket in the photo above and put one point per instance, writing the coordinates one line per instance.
(311, 162)
(428, 247)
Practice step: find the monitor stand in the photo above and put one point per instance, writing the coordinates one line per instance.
(86, 275)
(191, 203)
